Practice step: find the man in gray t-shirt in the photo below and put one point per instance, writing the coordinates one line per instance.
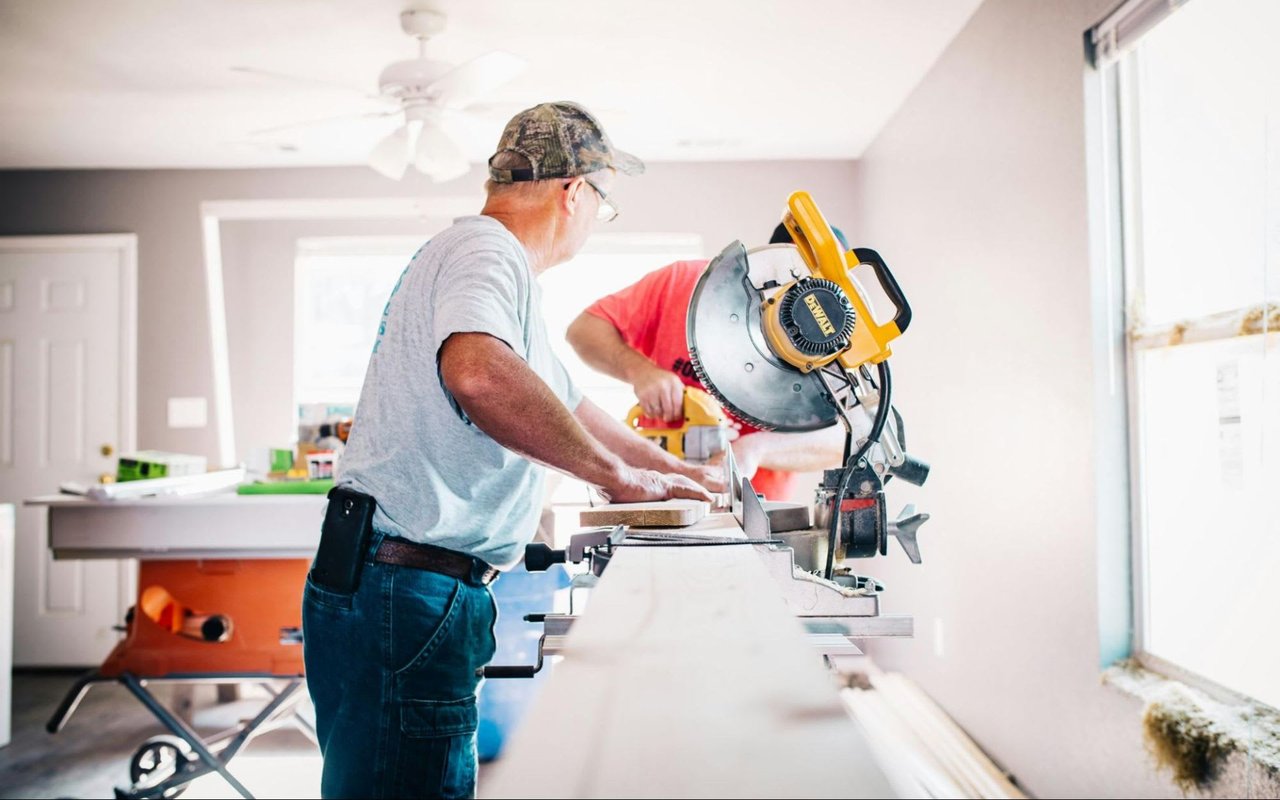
(464, 405)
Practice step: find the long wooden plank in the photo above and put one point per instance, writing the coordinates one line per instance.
(687, 678)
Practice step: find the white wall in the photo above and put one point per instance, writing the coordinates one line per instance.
(718, 201)
(976, 193)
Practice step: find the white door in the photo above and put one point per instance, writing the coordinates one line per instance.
(67, 343)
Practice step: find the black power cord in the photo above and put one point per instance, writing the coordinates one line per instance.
(877, 428)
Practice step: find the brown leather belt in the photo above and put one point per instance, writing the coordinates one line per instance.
(435, 559)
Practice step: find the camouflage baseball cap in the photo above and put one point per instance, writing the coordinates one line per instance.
(559, 140)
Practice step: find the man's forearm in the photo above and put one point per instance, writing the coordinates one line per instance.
(798, 452)
(600, 345)
(509, 402)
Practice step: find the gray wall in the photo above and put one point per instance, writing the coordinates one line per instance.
(976, 193)
(718, 201)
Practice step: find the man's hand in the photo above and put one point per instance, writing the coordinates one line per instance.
(709, 475)
(640, 485)
(641, 453)
(661, 393)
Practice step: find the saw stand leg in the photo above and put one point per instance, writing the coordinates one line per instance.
(202, 758)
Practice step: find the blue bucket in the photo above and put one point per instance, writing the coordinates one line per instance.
(503, 701)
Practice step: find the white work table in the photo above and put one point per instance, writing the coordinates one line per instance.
(687, 677)
(223, 525)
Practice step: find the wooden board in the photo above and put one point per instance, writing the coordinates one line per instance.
(686, 677)
(667, 514)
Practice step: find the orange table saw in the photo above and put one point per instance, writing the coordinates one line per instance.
(219, 596)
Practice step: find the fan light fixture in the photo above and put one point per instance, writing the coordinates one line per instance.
(426, 92)
(422, 142)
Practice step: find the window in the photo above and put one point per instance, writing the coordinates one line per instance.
(1197, 97)
(341, 286)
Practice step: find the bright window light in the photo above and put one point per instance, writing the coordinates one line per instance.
(341, 287)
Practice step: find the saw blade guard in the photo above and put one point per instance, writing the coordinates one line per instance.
(729, 352)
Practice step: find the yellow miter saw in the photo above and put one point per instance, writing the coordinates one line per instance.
(701, 432)
(784, 337)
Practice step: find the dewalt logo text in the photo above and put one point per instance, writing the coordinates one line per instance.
(819, 316)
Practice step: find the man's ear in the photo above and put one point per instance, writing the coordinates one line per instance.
(572, 197)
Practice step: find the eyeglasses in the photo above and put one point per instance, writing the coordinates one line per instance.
(608, 210)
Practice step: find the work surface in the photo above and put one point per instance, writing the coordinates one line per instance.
(685, 678)
(216, 526)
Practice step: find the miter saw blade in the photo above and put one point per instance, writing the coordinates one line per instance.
(729, 351)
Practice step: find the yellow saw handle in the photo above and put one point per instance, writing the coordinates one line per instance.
(699, 409)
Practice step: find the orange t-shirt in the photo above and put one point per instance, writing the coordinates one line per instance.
(650, 315)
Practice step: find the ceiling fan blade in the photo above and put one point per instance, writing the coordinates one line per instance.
(438, 155)
(391, 155)
(323, 121)
(294, 80)
(463, 85)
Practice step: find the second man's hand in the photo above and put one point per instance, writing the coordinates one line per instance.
(661, 393)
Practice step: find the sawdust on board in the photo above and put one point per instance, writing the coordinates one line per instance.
(804, 575)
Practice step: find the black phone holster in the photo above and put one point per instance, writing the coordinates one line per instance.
(344, 540)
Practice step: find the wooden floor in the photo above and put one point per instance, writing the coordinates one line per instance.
(91, 755)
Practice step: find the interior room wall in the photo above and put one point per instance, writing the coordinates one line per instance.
(719, 201)
(976, 194)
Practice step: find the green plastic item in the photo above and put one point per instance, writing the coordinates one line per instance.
(321, 486)
(281, 459)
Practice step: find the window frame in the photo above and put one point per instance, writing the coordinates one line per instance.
(1116, 206)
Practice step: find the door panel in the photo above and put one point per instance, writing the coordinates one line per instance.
(62, 301)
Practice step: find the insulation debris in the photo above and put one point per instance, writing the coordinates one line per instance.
(1196, 737)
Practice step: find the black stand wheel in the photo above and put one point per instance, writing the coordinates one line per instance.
(159, 759)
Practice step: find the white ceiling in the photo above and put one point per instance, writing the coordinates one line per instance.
(149, 83)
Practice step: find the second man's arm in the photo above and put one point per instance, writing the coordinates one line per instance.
(598, 343)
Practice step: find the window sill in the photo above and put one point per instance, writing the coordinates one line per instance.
(1210, 742)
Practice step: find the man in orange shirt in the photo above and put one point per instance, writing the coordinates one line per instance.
(637, 335)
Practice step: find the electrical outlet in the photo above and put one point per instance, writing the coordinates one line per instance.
(937, 637)
(188, 412)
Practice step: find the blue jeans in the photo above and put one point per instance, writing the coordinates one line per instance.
(392, 670)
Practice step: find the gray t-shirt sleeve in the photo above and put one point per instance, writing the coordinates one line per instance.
(488, 291)
(482, 293)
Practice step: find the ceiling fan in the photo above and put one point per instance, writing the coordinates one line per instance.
(423, 91)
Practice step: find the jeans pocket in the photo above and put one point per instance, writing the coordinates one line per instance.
(423, 608)
(314, 593)
(437, 753)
